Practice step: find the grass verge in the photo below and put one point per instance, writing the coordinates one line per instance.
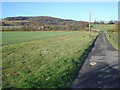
(113, 38)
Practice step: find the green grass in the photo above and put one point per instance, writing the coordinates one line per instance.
(113, 38)
(51, 61)
(20, 37)
(103, 27)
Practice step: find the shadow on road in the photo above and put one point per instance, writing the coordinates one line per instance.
(102, 76)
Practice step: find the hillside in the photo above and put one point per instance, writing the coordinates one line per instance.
(41, 23)
(43, 20)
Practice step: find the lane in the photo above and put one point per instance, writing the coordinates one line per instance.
(100, 69)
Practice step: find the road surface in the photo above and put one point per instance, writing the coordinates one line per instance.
(100, 69)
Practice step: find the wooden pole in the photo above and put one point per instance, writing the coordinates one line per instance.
(89, 20)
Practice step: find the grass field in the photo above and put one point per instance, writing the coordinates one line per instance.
(20, 37)
(103, 27)
(43, 59)
(113, 38)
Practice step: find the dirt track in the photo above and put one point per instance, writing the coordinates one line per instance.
(104, 74)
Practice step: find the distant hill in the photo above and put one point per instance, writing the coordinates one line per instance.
(42, 20)
(43, 23)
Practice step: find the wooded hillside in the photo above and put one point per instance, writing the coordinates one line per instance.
(43, 23)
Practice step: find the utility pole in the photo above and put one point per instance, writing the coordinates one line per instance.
(89, 20)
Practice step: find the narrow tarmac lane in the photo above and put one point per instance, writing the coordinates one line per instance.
(100, 69)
